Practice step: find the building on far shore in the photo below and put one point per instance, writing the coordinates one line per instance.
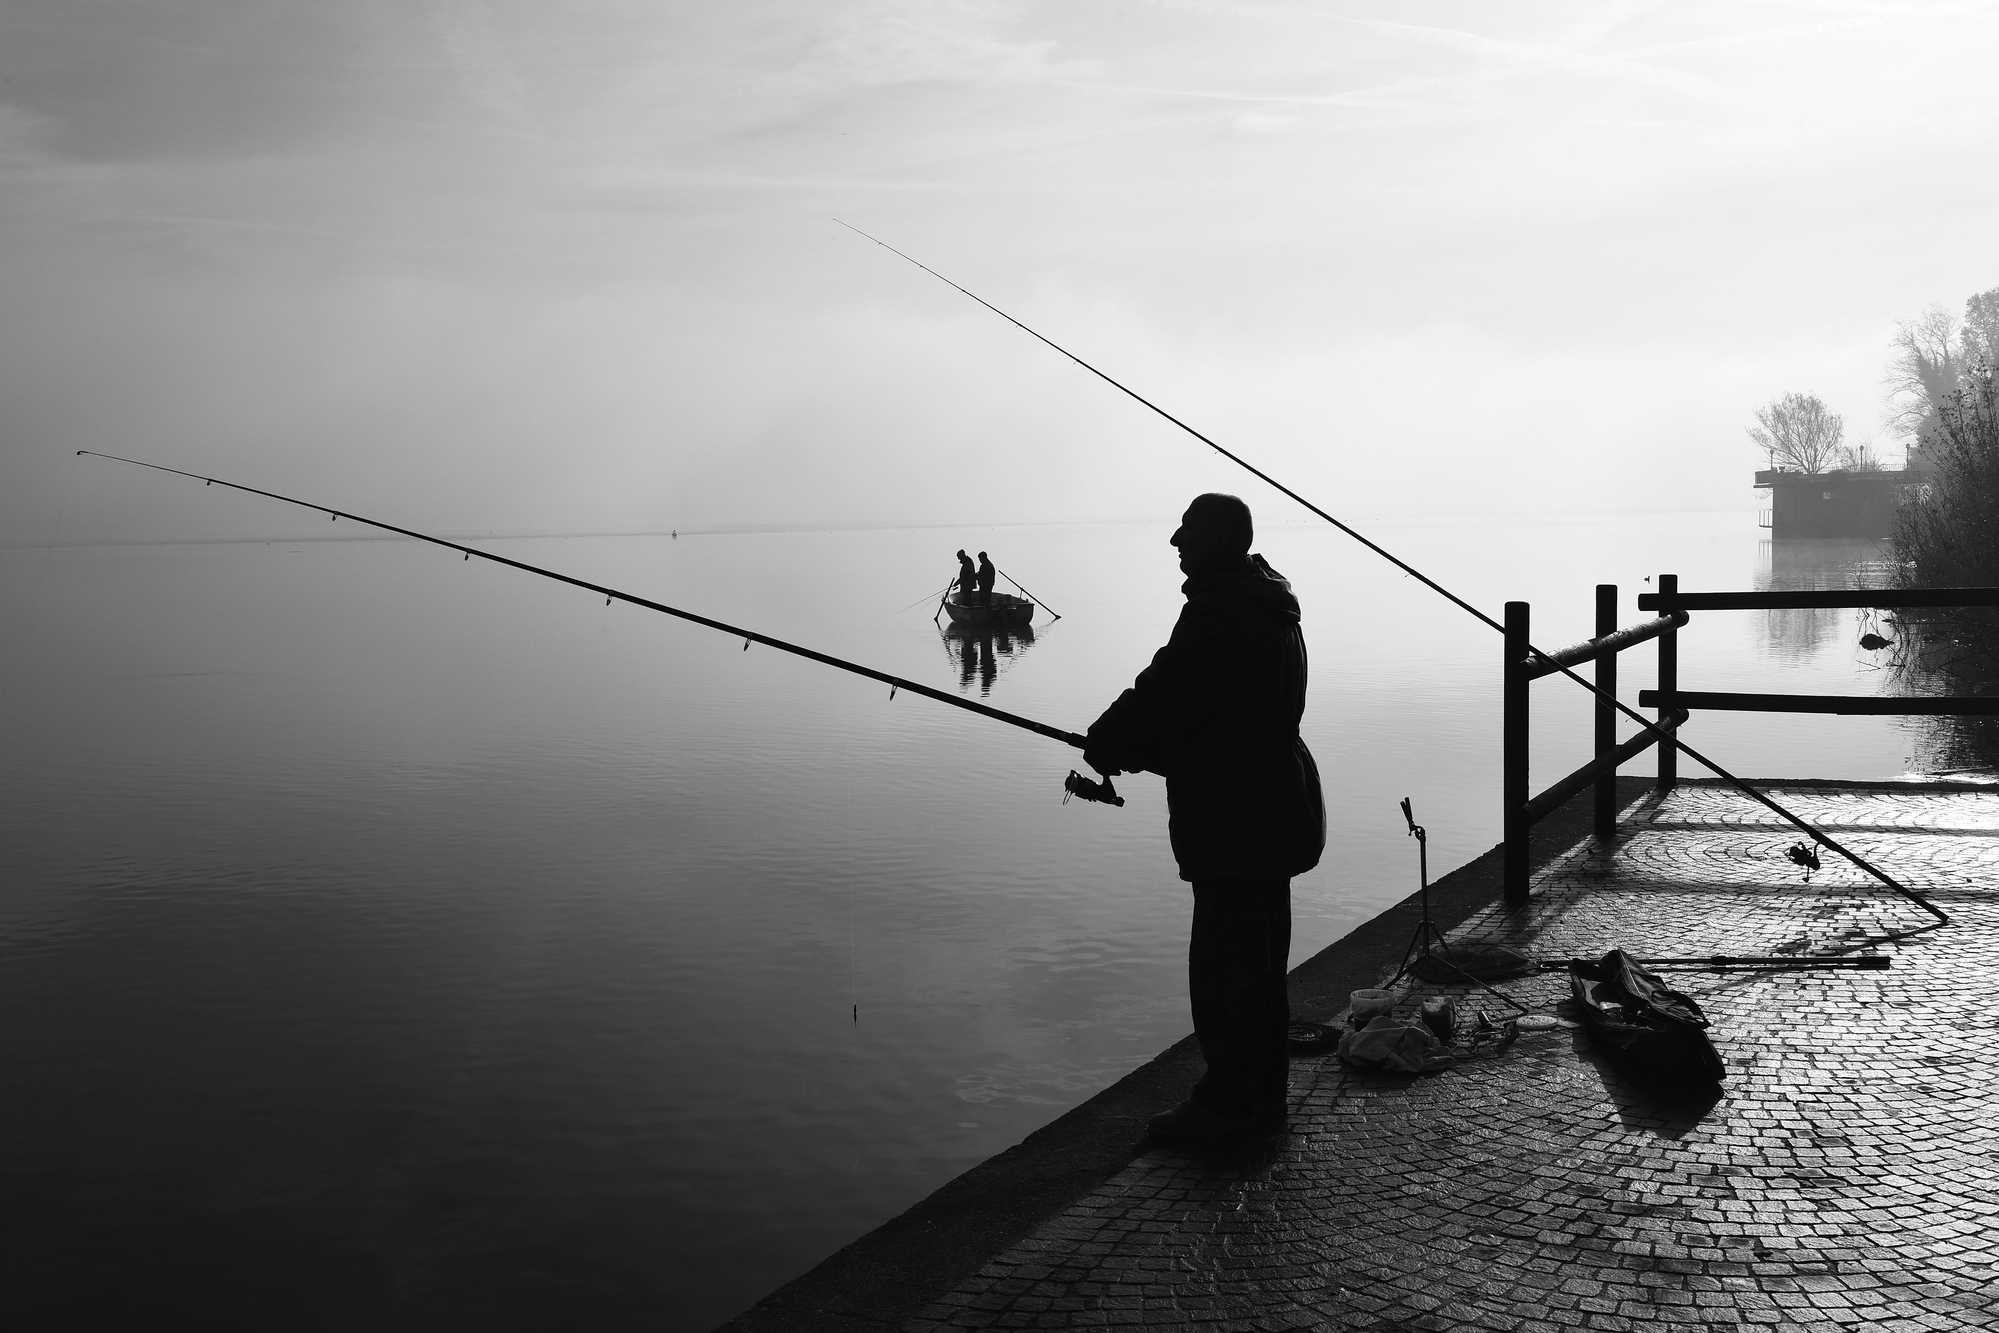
(1839, 503)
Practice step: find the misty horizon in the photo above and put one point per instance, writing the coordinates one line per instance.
(497, 269)
(398, 938)
(1163, 521)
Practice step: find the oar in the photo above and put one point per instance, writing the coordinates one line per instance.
(1030, 596)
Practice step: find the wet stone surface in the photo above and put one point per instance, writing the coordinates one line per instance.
(1847, 1175)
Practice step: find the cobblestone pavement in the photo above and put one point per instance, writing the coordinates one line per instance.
(1848, 1174)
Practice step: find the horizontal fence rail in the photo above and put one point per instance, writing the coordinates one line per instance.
(1589, 650)
(1603, 766)
(1668, 696)
(1883, 599)
(1521, 666)
(1901, 705)
(1524, 666)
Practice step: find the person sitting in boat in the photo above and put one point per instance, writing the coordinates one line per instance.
(985, 577)
(967, 579)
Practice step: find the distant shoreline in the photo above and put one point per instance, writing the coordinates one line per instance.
(774, 530)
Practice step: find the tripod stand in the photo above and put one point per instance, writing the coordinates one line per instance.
(1428, 942)
(1427, 936)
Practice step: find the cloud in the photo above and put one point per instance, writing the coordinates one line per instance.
(188, 79)
(881, 42)
(1262, 123)
(23, 135)
(475, 50)
(1517, 58)
(657, 288)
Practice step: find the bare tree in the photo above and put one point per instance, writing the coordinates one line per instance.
(1860, 458)
(1980, 337)
(1923, 370)
(1946, 536)
(1798, 433)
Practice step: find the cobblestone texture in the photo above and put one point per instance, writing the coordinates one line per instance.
(1848, 1175)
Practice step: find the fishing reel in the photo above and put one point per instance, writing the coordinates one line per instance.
(1078, 785)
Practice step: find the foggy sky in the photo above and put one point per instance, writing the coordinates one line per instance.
(485, 265)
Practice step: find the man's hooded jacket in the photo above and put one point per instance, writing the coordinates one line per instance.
(1216, 714)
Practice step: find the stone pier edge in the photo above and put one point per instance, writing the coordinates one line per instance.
(876, 1283)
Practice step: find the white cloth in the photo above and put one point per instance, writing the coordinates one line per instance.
(1385, 1045)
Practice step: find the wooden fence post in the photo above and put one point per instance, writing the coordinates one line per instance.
(1513, 757)
(1606, 714)
(1669, 679)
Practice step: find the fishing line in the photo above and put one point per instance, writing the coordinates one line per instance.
(925, 598)
(895, 683)
(1665, 737)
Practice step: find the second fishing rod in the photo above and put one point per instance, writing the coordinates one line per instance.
(1665, 734)
(1074, 785)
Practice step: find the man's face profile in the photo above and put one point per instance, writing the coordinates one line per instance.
(1183, 541)
(1204, 533)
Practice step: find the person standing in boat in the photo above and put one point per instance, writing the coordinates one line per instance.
(1216, 714)
(967, 578)
(985, 576)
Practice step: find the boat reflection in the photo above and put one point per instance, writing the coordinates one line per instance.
(984, 653)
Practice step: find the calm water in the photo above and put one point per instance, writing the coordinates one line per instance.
(395, 942)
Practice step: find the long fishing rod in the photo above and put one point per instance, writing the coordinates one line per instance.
(1665, 737)
(1402, 565)
(895, 683)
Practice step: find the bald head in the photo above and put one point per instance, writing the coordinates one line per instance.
(1216, 528)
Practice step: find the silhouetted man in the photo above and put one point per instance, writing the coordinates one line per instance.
(986, 574)
(1217, 715)
(967, 579)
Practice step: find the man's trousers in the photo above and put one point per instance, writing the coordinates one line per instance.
(1237, 959)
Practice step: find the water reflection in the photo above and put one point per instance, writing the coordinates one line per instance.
(1796, 635)
(984, 652)
(526, 921)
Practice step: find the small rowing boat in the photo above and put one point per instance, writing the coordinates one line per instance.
(1005, 611)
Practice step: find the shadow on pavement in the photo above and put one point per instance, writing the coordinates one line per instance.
(1668, 1109)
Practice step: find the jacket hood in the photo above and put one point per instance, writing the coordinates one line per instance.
(1250, 578)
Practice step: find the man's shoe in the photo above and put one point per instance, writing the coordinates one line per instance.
(1191, 1121)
